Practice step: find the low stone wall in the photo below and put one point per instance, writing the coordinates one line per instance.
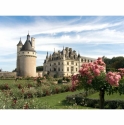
(39, 74)
(8, 74)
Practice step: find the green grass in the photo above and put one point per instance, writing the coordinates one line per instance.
(114, 96)
(57, 101)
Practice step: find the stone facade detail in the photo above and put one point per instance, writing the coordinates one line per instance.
(64, 63)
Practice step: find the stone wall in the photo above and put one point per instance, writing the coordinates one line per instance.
(39, 74)
(7, 74)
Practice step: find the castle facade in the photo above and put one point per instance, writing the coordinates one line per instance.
(64, 63)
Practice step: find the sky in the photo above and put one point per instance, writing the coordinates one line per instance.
(91, 36)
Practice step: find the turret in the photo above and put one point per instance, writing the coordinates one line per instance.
(19, 45)
(63, 53)
(47, 57)
(50, 57)
(33, 42)
(28, 37)
(79, 57)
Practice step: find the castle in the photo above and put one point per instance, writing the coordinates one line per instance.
(26, 58)
(64, 63)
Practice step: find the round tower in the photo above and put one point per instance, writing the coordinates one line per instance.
(27, 59)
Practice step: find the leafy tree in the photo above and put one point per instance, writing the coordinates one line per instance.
(39, 68)
(93, 76)
(14, 70)
(113, 64)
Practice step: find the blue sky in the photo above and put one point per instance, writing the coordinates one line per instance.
(92, 36)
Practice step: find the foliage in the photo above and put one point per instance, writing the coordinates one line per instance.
(39, 68)
(14, 70)
(93, 76)
(114, 64)
(59, 81)
(56, 76)
(28, 89)
(81, 99)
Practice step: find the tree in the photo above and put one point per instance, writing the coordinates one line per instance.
(14, 70)
(39, 68)
(114, 64)
(93, 76)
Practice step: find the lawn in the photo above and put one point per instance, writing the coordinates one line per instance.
(57, 101)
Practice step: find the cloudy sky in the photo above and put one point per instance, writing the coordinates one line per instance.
(92, 36)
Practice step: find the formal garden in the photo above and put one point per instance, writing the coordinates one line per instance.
(24, 93)
(92, 88)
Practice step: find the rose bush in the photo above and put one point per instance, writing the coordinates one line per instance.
(93, 76)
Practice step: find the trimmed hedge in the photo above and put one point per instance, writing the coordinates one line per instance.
(80, 99)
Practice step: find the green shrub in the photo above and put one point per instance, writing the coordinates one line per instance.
(56, 76)
(67, 79)
(64, 78)
(59, 81)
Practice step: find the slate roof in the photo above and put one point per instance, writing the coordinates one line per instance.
(27, 46)
(20, 43)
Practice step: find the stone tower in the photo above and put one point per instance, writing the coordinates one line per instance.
(26, 58)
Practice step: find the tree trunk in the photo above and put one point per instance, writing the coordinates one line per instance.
(101, 94)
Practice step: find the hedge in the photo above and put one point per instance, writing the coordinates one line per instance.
(81, 99)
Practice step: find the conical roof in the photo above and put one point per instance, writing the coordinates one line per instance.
(20, 43)
(27, 46)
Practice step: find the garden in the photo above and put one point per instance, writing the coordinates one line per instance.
(35, 93)
(92, 88)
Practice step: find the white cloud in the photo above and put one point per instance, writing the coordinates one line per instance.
(96, 34)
